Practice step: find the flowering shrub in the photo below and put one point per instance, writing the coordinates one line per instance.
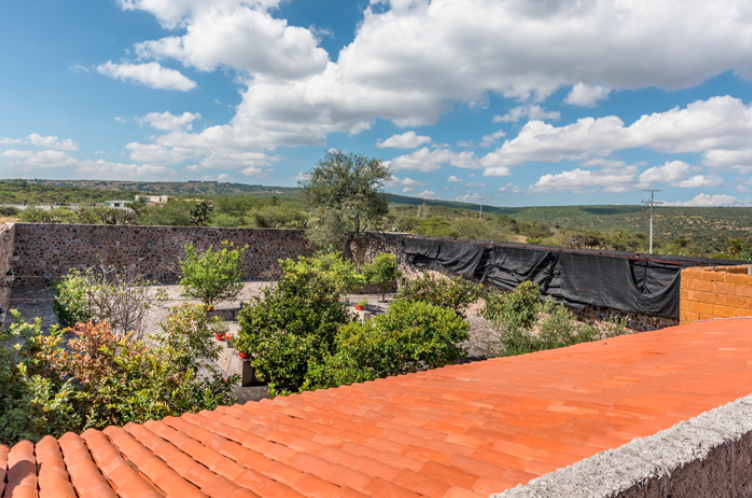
(101, 378)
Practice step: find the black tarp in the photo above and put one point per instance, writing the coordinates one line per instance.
(618, 283)
(577, 278)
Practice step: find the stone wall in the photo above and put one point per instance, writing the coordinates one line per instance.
(47, 251)
(7, 236)
(715, 292)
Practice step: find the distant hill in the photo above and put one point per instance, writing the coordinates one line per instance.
(169, 188)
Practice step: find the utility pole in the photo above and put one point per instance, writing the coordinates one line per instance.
(651, 204)
(480, 214)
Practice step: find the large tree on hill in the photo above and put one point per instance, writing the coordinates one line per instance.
(345, 193)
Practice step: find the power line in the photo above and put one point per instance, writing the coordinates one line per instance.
(651, 204)
(480, 214)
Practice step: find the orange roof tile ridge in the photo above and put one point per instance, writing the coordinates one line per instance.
(708, 454)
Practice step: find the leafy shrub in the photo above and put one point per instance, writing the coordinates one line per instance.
(382, 271)
(214, 275)
(201, 212)
(276, 216)
(37, 215)
(120, 298)
(556, 328)
(9, 211)
(71, 302)
(410, 337)
(171, 213)
(328, 265)
(291, 325)
(100, 378)
(454, 293)
(517, 309)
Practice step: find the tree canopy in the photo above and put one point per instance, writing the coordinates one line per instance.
(345, 193)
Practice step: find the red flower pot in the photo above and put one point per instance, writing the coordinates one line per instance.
(359, 307)
(209, 307)
(243, 355)
(219, 337)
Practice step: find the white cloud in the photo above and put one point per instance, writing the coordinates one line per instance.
(427, 194)
(166, 121)
(527, 111)
(52, 142)
(467, 198)
(99, 152)
(411, 61)
(406, 190)
(742, 189)
(428, 160)
(580, 181)
(4, 141)
(702, 181)
(407, 182)
(587, 95)
(671, 172)
(454, 179)
(476, 184)
(489, 140)
(705, 126)
(224, 177)
(705, 200)
(156, 154)
(302, 177)
(408, 140)
(120, 119)
(43, 158)
(150, 74)
(252, 171)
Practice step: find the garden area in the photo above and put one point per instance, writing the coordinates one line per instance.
(106, 346)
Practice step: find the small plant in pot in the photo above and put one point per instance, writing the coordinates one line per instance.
(221, 331)
(361, 305)
(242, 346)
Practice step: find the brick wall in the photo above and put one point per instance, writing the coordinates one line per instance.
(7, 232)
(48, 251)
(715, 292)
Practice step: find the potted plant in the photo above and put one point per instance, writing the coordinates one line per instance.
(361, 305)
(230, 338)
(221, 331)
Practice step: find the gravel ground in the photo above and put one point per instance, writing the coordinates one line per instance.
(32, 303)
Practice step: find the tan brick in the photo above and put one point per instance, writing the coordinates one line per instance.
(704, 316)
(711, 276)
(724, 311)
(738, 301)
(745, 280)
(724, 288)
(701, 285)
(702, 308)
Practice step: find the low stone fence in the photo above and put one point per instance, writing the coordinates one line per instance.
(7, 236)
(715, 292)
(48, 251)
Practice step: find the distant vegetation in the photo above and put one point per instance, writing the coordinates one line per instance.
(685, 231)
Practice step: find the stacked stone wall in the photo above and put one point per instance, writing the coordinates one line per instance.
(7, 237)
(47, 251)
(715, 292)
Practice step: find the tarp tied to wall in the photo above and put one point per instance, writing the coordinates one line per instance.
(576, 279)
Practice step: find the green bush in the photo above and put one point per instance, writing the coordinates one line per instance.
(37, 215)
(513, 310)
(99, 378)
(556, 328)
(214, 275)
(411, 336)
(453, 293)
(71, 302)
(171, 213)
(328, 265)
(9, 211)
(382, 271)
(276, 216)
(291, 325)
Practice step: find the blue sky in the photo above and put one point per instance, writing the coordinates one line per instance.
(523, 102)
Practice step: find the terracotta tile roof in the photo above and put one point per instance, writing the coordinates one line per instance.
(461, 431)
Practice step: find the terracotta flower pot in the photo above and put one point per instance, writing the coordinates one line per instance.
(219, 337)
(243, 355)
(359, 307)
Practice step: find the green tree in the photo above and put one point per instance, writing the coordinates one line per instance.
(345, 192)
(383, 271)
(201, 212)
(214, 275)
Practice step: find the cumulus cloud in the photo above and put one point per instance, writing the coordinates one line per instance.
(489, 140)
(606, 179)
(408, 140)
(406, 182)
(527, 111)
(454, 179)
(705, 126)
(428, 160)
(150, 74)
(43, 158)
(4, 141)
(411, 61)
(587, 95)
(224, 177)
(427, 194)
(37, 140)
(166, 121)
(705, 200)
